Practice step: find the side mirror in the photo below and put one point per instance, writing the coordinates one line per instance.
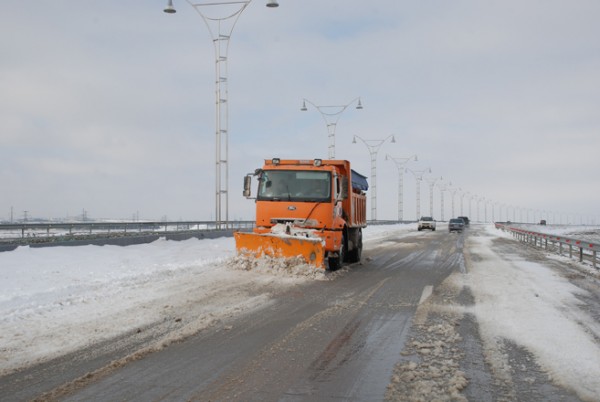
(247, 186)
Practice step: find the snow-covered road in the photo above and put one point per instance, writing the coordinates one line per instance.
(62, 299)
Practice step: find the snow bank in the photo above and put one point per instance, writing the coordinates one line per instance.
(537, 308)
(60, 299)
(587, 233)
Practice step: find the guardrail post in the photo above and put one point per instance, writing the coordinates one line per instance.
(594, 256)
(580, 254)
(570, 251)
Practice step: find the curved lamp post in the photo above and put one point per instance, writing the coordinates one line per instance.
(220, 29)
(443, 187)
(418, 174)
(431, 181)
(453, 192)
(331, 114)
(462, 198)
(400, 165)
(373, 147)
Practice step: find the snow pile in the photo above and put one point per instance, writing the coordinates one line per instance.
(289, 230)
(282, 267)
(379, 234)
(60, 299)
(535, 307)
(436, 375)
(57, 300)
(430, 366)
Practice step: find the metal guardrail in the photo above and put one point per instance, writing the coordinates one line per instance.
(28, 233)
(585, 249)
(33, 233)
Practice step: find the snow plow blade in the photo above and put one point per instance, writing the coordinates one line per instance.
(256, 245)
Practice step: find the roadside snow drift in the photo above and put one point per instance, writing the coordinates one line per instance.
(57, 300)
(533, 306)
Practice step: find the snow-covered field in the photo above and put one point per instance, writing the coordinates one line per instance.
(60, 299)
(587, 233)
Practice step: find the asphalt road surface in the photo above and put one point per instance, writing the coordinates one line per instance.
(358, 337)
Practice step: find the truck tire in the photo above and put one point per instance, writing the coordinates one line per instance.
(355, 254)
(335, 263)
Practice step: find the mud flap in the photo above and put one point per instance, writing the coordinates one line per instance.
(257, 245)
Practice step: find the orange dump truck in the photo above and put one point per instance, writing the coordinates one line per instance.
(313, 209)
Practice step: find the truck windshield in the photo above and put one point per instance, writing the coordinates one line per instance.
(294, 185)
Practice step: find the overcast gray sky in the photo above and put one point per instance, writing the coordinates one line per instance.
(109, 106)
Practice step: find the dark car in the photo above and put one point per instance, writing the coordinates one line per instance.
(464, 218)
(456, 225)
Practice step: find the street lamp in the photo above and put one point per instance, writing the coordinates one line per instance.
(373, 147)
(400, 165)
(331, 114)
(462, 198)
(418, 174)
(431, 181)
(170, 9)
(484, 200)
(220, 29)
(471, 198)
(443, 187)
(453, 192)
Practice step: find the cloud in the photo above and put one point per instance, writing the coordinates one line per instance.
(118, 101)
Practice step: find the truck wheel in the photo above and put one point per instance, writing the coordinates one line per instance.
(335, 263)
(355, 254)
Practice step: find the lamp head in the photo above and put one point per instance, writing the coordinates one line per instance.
(416, 160)
(303, 108)
(393, 140)
(272, 3)
(359, 106)
(169, 9)
(354, 140)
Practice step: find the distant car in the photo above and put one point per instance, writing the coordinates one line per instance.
(543, 222)
(426, 222)
(466, 219)
(456, 225)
